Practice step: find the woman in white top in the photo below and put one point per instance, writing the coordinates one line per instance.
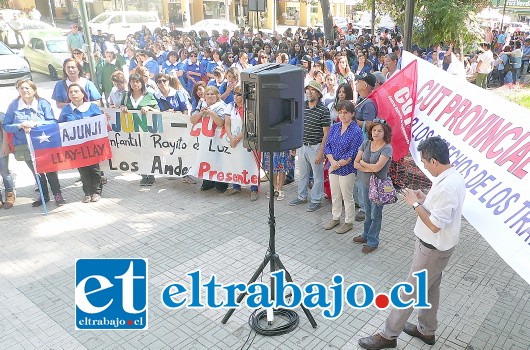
(138, 98)
(329, 89)
(242, 63)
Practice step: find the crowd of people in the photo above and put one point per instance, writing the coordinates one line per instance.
(345, 140)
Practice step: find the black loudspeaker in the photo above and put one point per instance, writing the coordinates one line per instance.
(273, 97)
(257, 5)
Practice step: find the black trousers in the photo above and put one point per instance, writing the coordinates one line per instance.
(45, 179)
(207, 184)
(91, 179)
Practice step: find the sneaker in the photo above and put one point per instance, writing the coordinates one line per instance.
(220, 190)
(143, 181)
(344, 228)
(150, 180)
(360, 216)
(297, 201)
(254, 196)
(36, 188)
(275, 194)
(313, 206)
(330, 224)
(206, 187)
(59, 200)
(95, 197)
(281, 195)
(86, 199)
(38, 202)
(232, 190)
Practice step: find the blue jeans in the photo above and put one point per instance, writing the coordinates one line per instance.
(6, 174)
(253, 188)
(306, 163)
(358, 196)
(373, 218)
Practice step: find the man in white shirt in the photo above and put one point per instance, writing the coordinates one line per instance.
(437, 233)
(391, 65)
(484, 66)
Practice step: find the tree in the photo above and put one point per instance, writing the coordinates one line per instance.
(327, 19)
(437, 21)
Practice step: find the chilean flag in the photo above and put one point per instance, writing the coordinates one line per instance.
(396, 101)
(70, 145)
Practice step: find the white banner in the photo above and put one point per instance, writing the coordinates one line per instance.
(166, 144)
(489, 143)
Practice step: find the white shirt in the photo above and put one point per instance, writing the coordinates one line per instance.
(487, 62)
(444, 201)
(134, 102)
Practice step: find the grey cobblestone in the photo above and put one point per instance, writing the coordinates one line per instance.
(485, 305)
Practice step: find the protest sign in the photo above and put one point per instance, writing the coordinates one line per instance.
(489, 144)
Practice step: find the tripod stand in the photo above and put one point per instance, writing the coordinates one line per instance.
(271, 256)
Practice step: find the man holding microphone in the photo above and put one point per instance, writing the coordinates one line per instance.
(437, 233)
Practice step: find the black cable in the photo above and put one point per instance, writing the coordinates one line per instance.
(290, 316)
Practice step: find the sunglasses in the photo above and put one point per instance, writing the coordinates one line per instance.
(238, 94)
(380, 121)
(159, 81)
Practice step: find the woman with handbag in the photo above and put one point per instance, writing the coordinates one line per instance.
(373, 159)
(25, 112)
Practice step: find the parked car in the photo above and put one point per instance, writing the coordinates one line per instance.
(212, 24)
(47, 54)
(32, 28)
(123, 23)
(12, 66)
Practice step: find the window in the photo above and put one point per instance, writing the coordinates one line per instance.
(39, 45)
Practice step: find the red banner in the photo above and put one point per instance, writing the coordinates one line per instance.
(395, 101)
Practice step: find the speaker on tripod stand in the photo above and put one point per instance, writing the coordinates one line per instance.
(273, 97)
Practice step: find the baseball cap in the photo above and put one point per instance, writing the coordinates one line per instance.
(306, 58)
(368, 78)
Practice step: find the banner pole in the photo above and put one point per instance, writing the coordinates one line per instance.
(37, 177)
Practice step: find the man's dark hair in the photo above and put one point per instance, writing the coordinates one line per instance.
(434, 148)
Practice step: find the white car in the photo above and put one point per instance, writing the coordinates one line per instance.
(32, 28)
(123, 23)
(12, 66)
(212, 24)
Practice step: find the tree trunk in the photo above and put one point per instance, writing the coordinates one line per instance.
(373, 18)
(327, 19)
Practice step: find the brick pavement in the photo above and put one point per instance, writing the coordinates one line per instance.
(485, 305)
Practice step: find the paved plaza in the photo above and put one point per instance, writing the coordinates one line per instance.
(485, 305)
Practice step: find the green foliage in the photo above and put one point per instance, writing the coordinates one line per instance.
(436, 20)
